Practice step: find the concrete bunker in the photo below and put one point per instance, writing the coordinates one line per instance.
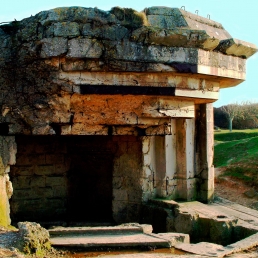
(71, 180)
(110, 110)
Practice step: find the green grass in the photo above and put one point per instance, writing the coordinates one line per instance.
(234, 151)
(240, 173)
(225, 135)
(237, 151)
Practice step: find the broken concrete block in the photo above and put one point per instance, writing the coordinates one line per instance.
(33, 239)
(84, 48)
(52, 47)
(237, 47)
(186, 221)
(66, 29)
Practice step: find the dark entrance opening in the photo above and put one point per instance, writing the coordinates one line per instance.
(63, 180)
(90, 182)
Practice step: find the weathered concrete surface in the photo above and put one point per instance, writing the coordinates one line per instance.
(154, 255)
(223, 222)
(167, 18)
(124, 236)
(7, 158)
(245, 214)
(52, 174)
(56, 55)
(214, 250)
(204, 249)
(135, 235)
(127, 227)
(220, 222)
(33, 239)
(237, 47)
(116, 241)
(84, 71)
(220, 228)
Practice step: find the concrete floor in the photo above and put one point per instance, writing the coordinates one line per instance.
(135, 235)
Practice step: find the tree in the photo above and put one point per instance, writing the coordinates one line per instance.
(244, 110)
(232, 111)
(220, 118)
(251, 111)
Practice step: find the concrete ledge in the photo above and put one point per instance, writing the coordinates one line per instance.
(124, 228)
(123, 236)
(214, 250)
(241, 245)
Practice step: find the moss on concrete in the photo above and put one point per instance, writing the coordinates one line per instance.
(129, 17)
(4, 204)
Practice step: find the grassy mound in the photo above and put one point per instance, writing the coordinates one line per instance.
(237, 151)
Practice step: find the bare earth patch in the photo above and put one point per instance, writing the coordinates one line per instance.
(234, 190)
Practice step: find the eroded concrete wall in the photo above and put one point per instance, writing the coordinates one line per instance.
(141, 168)
(169, 162)
(159, 166)
(78, 178)
(39, 179)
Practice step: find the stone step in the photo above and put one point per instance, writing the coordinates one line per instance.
(116, 230)
(123, 236)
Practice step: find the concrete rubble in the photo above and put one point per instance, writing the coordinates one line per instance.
(32, 238)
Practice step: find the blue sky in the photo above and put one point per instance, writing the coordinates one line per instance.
(239, 18)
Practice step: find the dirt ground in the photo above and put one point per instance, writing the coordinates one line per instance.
(235, 190)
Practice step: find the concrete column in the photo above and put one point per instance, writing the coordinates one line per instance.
(204, 152)
(7, 158)
(159, 160)
(186, 182)
(160, 168)
(127, 179)
(171, 181)
(149, 165)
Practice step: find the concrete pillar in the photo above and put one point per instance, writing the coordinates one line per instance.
(127, 179)
(171, 161)
(160, 168)
(7, 158)
(159, 160)
(186, 182)
(149, 164)
(204, 152)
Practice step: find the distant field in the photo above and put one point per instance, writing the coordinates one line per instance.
(238, 152)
